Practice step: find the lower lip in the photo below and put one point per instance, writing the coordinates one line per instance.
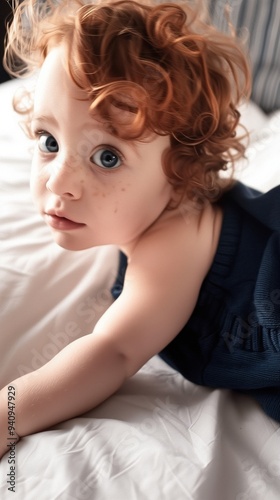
(61, 223)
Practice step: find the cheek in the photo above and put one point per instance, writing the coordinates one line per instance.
(37, 180)
(106, 191)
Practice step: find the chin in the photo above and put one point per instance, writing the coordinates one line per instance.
(73, 245)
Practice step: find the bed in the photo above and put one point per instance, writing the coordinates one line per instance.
(159, 437)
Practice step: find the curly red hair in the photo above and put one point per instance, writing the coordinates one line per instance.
(177, 75)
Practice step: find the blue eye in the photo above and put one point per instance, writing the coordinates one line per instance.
(47, 143)
(106, 158)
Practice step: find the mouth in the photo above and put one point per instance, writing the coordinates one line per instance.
(62, 223)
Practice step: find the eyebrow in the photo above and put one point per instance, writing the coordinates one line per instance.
(45, 119)
(53, 121)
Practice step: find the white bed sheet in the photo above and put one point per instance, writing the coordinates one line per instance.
(160, 437)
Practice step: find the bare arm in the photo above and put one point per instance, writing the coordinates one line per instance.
(78, 378)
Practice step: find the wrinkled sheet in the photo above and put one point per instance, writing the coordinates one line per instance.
(159, 437)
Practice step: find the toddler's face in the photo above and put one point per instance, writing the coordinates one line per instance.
(91, 187)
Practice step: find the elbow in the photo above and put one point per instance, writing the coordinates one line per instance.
(130, 363)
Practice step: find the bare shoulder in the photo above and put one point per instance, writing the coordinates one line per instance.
(181, 238)
(171, 260)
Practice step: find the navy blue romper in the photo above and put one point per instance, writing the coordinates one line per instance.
(232, 339)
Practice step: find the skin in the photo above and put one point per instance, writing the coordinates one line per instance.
(85, 204)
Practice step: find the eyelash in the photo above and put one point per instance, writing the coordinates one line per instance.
(110, 149)
(38, 134)
(41, 133)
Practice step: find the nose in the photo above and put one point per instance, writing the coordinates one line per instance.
(65, 179)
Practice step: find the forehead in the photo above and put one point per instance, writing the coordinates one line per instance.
(55, 85)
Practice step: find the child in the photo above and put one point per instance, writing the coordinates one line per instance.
(134, 119)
